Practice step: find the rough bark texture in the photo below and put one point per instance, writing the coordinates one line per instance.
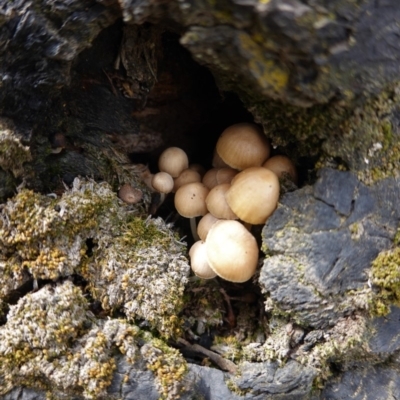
(97, 88)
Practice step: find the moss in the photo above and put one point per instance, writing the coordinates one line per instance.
(168, 366)
(13, 154)
(52, 342)
(356, 135)
(134, 265)
(385, 275)
(231, 385)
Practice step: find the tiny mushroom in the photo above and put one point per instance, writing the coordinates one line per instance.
(232, 251)
(205, 225)
(199, 262)
(173, 161)
(216, 176)
(216, 202)
(281, 166)
(129, 194)
(253, 195)
(198, 168)
(190, 202)
(162, 182)
(58, 142)
(187, 176)
(242, 146)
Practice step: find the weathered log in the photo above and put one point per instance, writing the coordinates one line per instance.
(95, 89)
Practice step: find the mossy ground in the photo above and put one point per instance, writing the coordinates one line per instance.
(385, 276)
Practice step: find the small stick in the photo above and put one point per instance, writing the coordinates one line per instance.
(230, 317)
(223, 363)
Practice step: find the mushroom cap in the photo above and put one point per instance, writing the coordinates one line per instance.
(190, 200)
(205, 225)
(216, 202)
(198, 168)
(217, 161)
(242, 146)
(281, 166)
(199, 262)
(253, 195)
(173, 160)
(129, 194)
(232, 251)
(216, 176)
(162, 182)
(187, 176)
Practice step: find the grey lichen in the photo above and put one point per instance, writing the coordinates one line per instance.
(168, 366)
(136, 266)
(51, 341)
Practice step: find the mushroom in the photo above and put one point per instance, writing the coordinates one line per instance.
(254, 194)
(190, 202)
(162, 182)
(232, 251)
(173, 161)
(205, 225)
(199, 262)
(242, 146)
(58, 142)
(145, 175)
(216, 202)
(187, 176)
(217, 161)
(129, 194)
(198, 168)
(282, 166)
(216, 176)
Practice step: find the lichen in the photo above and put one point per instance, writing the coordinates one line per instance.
(356, 135)
(133, 265)
(13, 154)
(51, 341)
(143, 271)
(385, 277)
(168, 366)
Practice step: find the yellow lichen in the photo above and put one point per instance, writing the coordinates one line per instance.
(385, 275)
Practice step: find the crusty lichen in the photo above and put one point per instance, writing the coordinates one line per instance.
(168, 366)
(357, 136)
(385, 276)
(51, 341)
(133, 265)
(13, 154)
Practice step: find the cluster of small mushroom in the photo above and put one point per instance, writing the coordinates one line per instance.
(241, 190)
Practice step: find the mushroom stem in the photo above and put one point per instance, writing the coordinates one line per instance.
(193, 228)
(157, 199)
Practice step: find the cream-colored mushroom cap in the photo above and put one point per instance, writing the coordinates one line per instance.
(190, 200)
(253, 195)
(162, 182)
(173, 161)
(216, 176)
(186, 176)
(216, 202)
(282, 165)
(217, 161)
(198, 168)
(205, 224)
(199, 262)
(242, 146)
(232, 251)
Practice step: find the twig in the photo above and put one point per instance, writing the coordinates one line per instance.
(223, 363)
